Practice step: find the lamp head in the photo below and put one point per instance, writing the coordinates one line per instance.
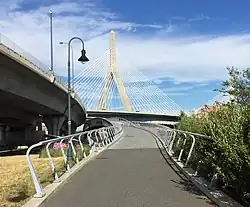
(83, 59)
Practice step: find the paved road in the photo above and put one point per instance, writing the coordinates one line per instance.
(132, 173)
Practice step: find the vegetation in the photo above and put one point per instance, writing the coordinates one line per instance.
(15, 181)
(229, 126)
(56, 152)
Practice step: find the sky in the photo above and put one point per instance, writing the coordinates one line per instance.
(184, 47)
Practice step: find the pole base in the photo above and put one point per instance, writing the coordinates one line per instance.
(39, 195)
(57, 181)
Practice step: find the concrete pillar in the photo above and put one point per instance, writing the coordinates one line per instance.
(73, 128)
(65, 127)
(2, 134)
(39, 126)
(54, 124)
(28, 131)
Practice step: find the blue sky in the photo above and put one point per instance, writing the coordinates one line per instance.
(183, 46)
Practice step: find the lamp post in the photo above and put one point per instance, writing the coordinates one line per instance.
(72, 60)
(82, 59)
(51, 43)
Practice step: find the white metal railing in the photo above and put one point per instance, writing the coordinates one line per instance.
(169, 135)
(97, 139)
(175, 141)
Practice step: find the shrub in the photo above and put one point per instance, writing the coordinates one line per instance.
(229, 125)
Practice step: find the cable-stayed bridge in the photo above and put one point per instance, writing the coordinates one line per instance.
(109, 84)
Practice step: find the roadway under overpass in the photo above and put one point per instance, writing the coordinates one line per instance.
(29, 96)
(132, 116)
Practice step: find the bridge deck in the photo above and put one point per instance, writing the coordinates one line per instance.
(133, 172)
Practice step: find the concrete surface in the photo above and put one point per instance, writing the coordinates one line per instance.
(28, 92)
(133, 172)
(132, 116)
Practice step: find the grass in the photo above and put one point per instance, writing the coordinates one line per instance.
(16, 185)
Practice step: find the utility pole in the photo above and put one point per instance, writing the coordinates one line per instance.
(51, 44)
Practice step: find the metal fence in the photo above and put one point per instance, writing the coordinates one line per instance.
(96, 140)
(175, 141)
(177, 144)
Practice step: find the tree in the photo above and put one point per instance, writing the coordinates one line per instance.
(238, 86)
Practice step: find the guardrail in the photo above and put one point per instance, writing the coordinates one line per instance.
(176, 146)
(96, 140)
(43, 69)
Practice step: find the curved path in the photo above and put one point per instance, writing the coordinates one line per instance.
(133, 172)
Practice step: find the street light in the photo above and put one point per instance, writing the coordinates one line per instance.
(83, 59)
(51, 43)
(72, 60)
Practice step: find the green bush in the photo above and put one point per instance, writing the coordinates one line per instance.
(229, 126)
(53, 153)
(58, 153)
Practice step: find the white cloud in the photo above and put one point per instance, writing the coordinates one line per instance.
(180, 88)
(197, 58)
(177, 94)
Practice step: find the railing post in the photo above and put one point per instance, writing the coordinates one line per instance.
(63, 153)
(198, 168)
(90, 142)
(183, 145)
(80, 142)
(109, 134)
(106, 136)
(113, 134)
(39, 191)
(73, 149)
(191, 150)
(52, 165)
(171, 144)
(172, 135)
(214, 180)
(102, 137)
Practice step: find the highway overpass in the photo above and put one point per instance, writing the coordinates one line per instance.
(132, 116)
(29, 96)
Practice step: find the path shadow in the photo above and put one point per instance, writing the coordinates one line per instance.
(18, 152)
(184, 183)
(18, 198)
(22, 195)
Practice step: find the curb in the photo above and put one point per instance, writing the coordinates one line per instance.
(51, 188)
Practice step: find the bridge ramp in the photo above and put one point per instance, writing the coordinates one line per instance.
(134, 172)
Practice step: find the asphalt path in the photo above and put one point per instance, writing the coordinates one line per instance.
(134, 172)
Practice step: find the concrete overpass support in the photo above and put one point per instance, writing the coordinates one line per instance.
(28, 131)
(54, 124)
(64, 128)
(39, 126)
(2, 134)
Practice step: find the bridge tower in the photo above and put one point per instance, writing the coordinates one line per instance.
(113, 76)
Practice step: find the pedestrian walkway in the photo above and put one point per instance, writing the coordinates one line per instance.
(134, 172)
